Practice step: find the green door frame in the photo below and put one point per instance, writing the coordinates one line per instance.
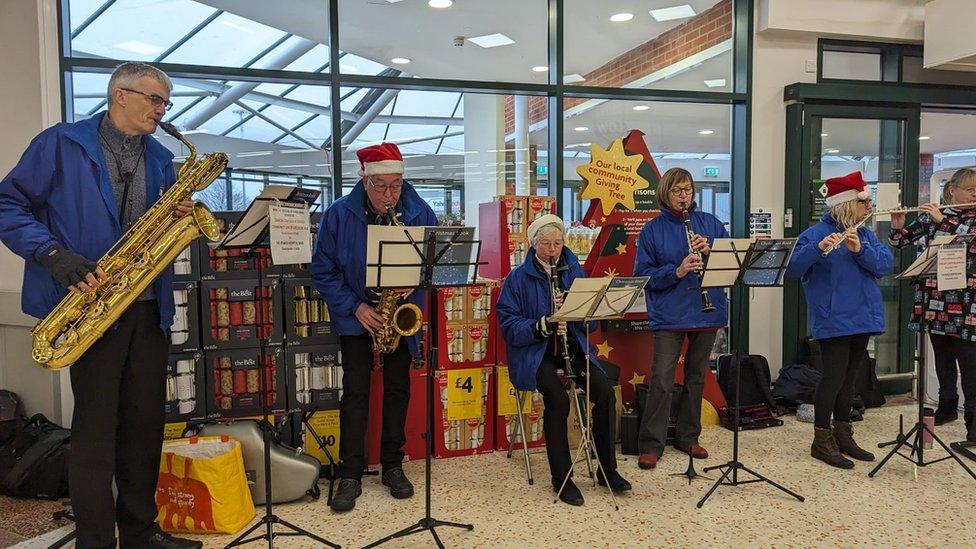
(803, 125)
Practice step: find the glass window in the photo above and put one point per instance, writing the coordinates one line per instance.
(914, 72)
(695, 137)
(849, 65)
(500, 40)
(656, 45)
(194, 32)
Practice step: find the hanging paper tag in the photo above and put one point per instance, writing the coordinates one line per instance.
(291, 233)
(951, 266)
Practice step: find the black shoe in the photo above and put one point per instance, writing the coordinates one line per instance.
(570, 494)
(948, 411)
(617, 483)
(162, 539)
(345, 495)
(400, 487)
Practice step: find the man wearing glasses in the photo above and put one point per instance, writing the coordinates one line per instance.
(76, 190)
(339, 272)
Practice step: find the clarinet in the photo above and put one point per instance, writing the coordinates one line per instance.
(706, 306)
(554, 287)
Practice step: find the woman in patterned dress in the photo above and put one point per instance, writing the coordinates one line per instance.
(949, 316)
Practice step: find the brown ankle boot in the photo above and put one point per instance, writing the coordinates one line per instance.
(825, 449)
(844, 435)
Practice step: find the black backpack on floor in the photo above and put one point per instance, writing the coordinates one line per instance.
(34, 461)
(754, 380)
(12, 415)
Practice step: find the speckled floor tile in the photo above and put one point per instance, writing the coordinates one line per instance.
(903, 506)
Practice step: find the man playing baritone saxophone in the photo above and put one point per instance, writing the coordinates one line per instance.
(339, 272)
(76, 190)
(524, 308)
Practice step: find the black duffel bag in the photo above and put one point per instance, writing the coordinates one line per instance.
(34, 461)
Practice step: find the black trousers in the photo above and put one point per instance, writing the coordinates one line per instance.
(357, 363)
(119, 387)
(950, 351)
(660, 391)
(843, 358)
(557, 404)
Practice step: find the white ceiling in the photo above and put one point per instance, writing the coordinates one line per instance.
(379, 30)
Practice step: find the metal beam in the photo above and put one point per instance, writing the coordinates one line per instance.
(91, 18)
(367, 117)
(407, 141)
(237, 91)
(267, 119)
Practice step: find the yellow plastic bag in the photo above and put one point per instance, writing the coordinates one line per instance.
(202, 486)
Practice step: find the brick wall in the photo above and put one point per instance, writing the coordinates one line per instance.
(705, 30)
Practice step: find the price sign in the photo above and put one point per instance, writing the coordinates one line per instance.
(506, 395)
(326, 424)
(464, 390)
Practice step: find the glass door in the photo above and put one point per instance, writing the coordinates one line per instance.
(826, 141)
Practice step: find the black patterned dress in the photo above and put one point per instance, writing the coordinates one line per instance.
(952, 312)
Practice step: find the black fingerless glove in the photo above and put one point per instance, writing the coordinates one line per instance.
(67, 267)
(543, 328)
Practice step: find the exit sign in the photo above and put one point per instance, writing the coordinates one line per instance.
(541, 169)
(711, 171)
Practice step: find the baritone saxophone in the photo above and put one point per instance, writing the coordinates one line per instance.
(132, 264)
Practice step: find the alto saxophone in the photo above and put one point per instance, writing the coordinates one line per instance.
(132, 264)
(404, 320)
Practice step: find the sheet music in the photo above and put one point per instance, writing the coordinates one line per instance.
(400, 263)
(724, 261)
(599, 298)
(620, 296)
(581, 299)
(253, 223)
(455, 264)
(925, 262)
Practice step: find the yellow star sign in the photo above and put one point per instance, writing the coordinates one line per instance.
(603, 349)
(637, 380)
(611, 176)
(621, 248)
(610, 272)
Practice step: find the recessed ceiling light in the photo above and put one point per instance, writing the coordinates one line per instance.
(491, 40)
(833, 151)
(621, 17)
(923, 137)
(672, 13)
(641, 107)
(400, 60)
(573, 78)
(824, 134)
(706, 132)
(540, 68)
(580, 129)
(717, 83)
(440, 4)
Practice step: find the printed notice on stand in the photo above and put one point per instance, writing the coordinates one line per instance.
(291, 233)
(952, 266)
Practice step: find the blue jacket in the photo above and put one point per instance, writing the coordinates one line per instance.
(675, 303)
(843, 297)
(339, 264)
(60, 192)
(525, 298)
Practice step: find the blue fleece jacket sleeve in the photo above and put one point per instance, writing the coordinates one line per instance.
(327, 275)
(805, 255)
(516, 329)
(22, 192)
(874, 257)
(663, 276)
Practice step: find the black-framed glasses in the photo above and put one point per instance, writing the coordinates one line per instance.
(156, 100)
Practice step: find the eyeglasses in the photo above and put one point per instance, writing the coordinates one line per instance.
(678, 191)
(383, 189)
(156, 100)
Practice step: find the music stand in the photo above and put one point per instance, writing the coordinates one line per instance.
(744, 263)
(441, 256)
(249, 232)
(591, 299)
(924, 266)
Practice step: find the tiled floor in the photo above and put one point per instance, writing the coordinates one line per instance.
(903, 506)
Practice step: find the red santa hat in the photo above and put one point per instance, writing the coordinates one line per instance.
(846, 188)
(380, 159)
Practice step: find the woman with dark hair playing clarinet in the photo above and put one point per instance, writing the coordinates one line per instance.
(670, 250)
